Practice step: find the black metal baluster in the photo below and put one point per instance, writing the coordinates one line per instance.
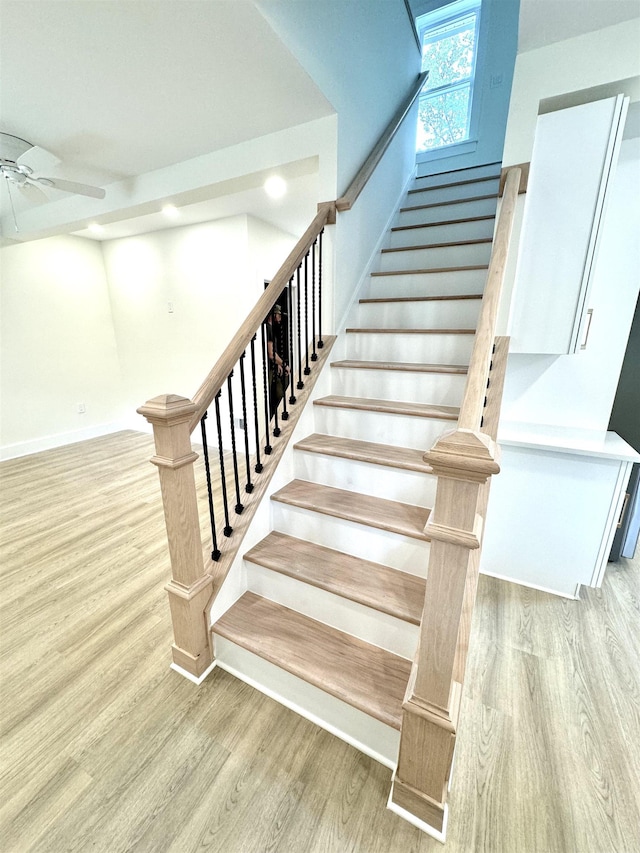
(249, 485)
(307, 369)
(267, 389)
(258, 466)
(320, 341)
(238, 507)
(215, 553)
(285, 361)
(291, 351)
(314, 354)
(228, 530)
(299, 296)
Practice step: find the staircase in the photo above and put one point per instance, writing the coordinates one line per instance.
(329, 624)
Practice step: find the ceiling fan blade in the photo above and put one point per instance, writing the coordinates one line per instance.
(33, 192)
(38, 159)
(72, 187)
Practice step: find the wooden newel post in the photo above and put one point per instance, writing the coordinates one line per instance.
(463, 461)
(190, 586)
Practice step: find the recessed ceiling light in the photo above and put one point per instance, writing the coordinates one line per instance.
(275, 186)
(95, 228)
(171, 211)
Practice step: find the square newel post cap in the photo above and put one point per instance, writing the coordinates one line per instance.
(167, 409)
(464, 455)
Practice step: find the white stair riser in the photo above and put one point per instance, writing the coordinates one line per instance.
(442, 213)
(428, 284)
(370, 736)
(381, 481)
(399, 552)
(381, 427)
(462, 175)
(379, 629)
(439, 314)
(442, 233)
(427, 195)
(440, 389)
(436, 348)
(445, 256)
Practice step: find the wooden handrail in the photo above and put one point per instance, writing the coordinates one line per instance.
(225, 364)
(475, 390)
(347, 201)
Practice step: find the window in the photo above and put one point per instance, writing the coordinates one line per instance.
(449, 38)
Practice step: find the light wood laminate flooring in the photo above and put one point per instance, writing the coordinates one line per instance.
(104, 748)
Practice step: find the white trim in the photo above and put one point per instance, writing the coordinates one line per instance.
(611, 525)
(49, 442)
(190, 676)
(420, 824)
(574, 597)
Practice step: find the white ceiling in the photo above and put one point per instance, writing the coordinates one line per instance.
(121, 89)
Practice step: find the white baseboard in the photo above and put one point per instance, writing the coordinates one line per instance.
(420, 824)
(562, 593)
(196, 680)
(48, 442)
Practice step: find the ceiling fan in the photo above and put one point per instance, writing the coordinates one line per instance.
(14, 154)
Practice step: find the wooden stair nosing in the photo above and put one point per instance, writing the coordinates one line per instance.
(445, 203)
(467, 268)
(402, 366)
(391, 456)
(367, 677)
(373, 585)
(440, 222)
(383, 331)
(395, 407)
(394, 299)
(391, 516)
(474, 242)
(480, 180)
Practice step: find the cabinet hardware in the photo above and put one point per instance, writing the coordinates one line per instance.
(624, 509)
(586, 334)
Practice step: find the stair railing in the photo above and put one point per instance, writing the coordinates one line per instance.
(241, 387)
(463, 461)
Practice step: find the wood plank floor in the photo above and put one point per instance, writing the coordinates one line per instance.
(104, 748)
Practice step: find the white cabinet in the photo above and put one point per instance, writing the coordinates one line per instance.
(574, 157)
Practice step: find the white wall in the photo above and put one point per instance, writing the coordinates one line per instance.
(58, 345)
(578, 390)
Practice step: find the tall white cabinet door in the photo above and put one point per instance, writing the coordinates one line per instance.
(574, 157)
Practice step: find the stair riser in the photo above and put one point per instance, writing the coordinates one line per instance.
(436, 388)
(436, 348)
(462, 210)
(456, 314)
(433, 284)
(442, 233)
(379, 629)
(394, 484)
(370, 736)
(399, 552)
(459, 176)
(447, 256)
(427, 195)
(398, 430)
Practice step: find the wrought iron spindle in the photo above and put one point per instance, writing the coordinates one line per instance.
(314, 354)
(291, 349)
(299, 296)
(258, 466)
(228, 529)
(285, 361)
(320, 341)
(307, 369)
(265, 381)
(215, 553)
(238, 507)
(249, 485)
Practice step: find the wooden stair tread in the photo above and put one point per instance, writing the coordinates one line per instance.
(396, 407)
(406, 366)
(480, 180)
(407, 458)
(393, 516)
(364, 676)
(453, 201)
(383, 331)
(371, 584)
(475, 242)
(460, 221)
(433, 270)
(444, 298)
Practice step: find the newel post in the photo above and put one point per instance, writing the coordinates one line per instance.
(190, 586)
(463, 461)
